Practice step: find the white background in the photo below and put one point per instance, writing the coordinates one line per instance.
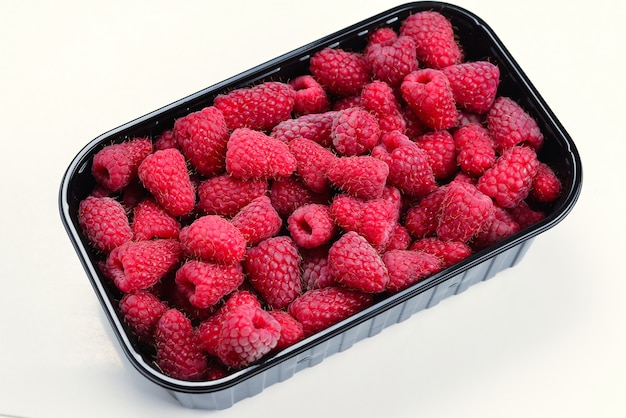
(545, 339)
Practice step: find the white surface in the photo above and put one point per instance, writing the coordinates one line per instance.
(545, 339)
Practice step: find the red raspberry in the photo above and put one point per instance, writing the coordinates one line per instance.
(273, 269)
(414, 126)
(546, 186)
(510, 125)
(178, 351)
(104, 222)
(465, 211)
(354, 263)
(408, 267)
(314, 265)
(164, 174)
(226, 195)
(379, 99)
(340, 72)
(474, 84)
(361, 176)
(313, 161)
(526, 216)
(174, 297)
(509, 180)
(258, 220)
(499, 226)
(382, 35)
(390, 61)
(247, 334)
(449, 252)
(465, 118)
(291, 330)
(209, 330)
(213, 238)
(166, 140)
(441, 152)
(310, 95)
(409, 168)
(141, 311)
(316, 126)
(347, 102)
(202, 138)
(115, 165)
(374, 219)
(253, 155)
(434, 39)
(355, 132)
(400, 239)
(427, 92)
(318, 309)
(150, 220)
(260, 107)
(137, 265)
(311, 225)
(421, 219)
(476, 150)
(289, 193)
(204, 284)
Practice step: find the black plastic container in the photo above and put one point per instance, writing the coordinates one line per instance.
(479, 43)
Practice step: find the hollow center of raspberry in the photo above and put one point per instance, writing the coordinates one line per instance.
(304, 226)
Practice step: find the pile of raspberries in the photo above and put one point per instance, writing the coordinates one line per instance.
(287, 206)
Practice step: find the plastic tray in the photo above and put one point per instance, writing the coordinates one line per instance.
(479, 42)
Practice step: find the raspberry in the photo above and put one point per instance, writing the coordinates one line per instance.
(204, 284)
(104, 222)
(391, 60)
(340, 72)
(465, 118)
(137, 265)
(260, 107)
(291, 330)
(314, 265)
(434, 39)
(373, 219)
(525, 216)
(474, 84)
(476, 150)
(213, 238)
(141, 311)
(164, 174)
(226, 195)
(273, 269)
(499, 226)
(209, 330)
(382, 35)
(409, 168)
(316, 126)
(465, 211)
(313, 161)
(421, 219)
(509, 180)
(289, 193)
(318, 309)
(347, 102)
(427, 92)
(202, 138)
(400, 239)
(440, 151)
(354, 263)
(311, 225)
(361, 176)
(258, 220)
(414, 126)
(166, 140)
(379, 99)
(115, 165)
(546, 186)
(510, 125)
(178, 351)
(253, 155)
(449, 252)
(310, 95)
(408, 267)
(247, 334)
(150, 220)
(355, 131)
